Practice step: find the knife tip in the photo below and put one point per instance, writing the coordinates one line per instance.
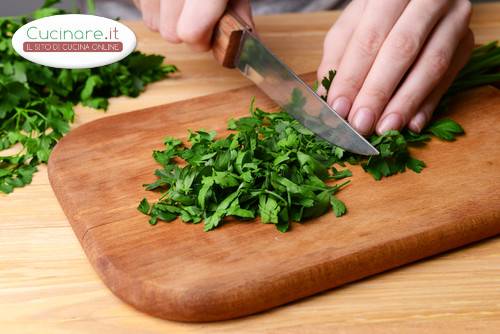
(367, 150)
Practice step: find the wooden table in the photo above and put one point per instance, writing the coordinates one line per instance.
(48, 286)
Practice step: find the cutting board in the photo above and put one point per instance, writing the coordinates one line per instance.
(176, 271)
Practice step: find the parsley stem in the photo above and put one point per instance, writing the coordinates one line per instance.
(90, 7)
(36, 112)
(276, 195)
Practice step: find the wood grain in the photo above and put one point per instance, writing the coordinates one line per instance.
(48, 286)
(226, 39)
(176, 271)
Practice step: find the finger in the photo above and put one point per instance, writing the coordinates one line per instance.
(170, 10)
(197, 22)
(337, 39)
(243, 9)
(399, 51)
(375, 23)
(150, 10)
(424, 114)
(427, 72)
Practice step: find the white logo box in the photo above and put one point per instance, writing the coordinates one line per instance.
(74, 41)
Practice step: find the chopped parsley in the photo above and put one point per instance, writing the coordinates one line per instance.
(274, 168)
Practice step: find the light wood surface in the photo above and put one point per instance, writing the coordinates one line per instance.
(48, 286)
(178, 272)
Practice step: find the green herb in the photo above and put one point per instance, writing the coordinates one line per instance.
(274, 168)
(445, 129)
(394, 146)
(271, 167)
(90, 6)
(327, 82)
(37, 102)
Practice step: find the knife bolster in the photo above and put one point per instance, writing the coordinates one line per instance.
(227, 37)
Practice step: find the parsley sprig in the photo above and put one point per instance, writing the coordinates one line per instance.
(482, 69)
(37, 102)
(274, 168)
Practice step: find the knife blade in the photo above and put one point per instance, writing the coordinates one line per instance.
(235, 46)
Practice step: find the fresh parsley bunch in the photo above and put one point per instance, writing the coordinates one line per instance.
(274, 168)
(482, 69)
(37, 102)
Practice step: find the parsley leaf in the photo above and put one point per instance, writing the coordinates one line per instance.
(144, 206)
(338, 206)
(445, 129)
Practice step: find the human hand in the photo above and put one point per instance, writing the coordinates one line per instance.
(395, 59)
(190, 21)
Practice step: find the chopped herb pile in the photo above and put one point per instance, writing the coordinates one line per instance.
(37, 102)
(274, 168)
(271, 167)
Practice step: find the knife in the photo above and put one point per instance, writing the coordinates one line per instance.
(235, 46)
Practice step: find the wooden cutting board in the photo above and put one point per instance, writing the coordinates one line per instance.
(177, 271)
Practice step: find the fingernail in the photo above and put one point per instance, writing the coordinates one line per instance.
(363, 121)
(390, 122)
(417, 123)
(342, 105)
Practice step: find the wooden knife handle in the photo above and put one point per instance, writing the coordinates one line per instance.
(226, 38)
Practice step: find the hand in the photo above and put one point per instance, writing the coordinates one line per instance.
(395, 59)
(190, 21)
